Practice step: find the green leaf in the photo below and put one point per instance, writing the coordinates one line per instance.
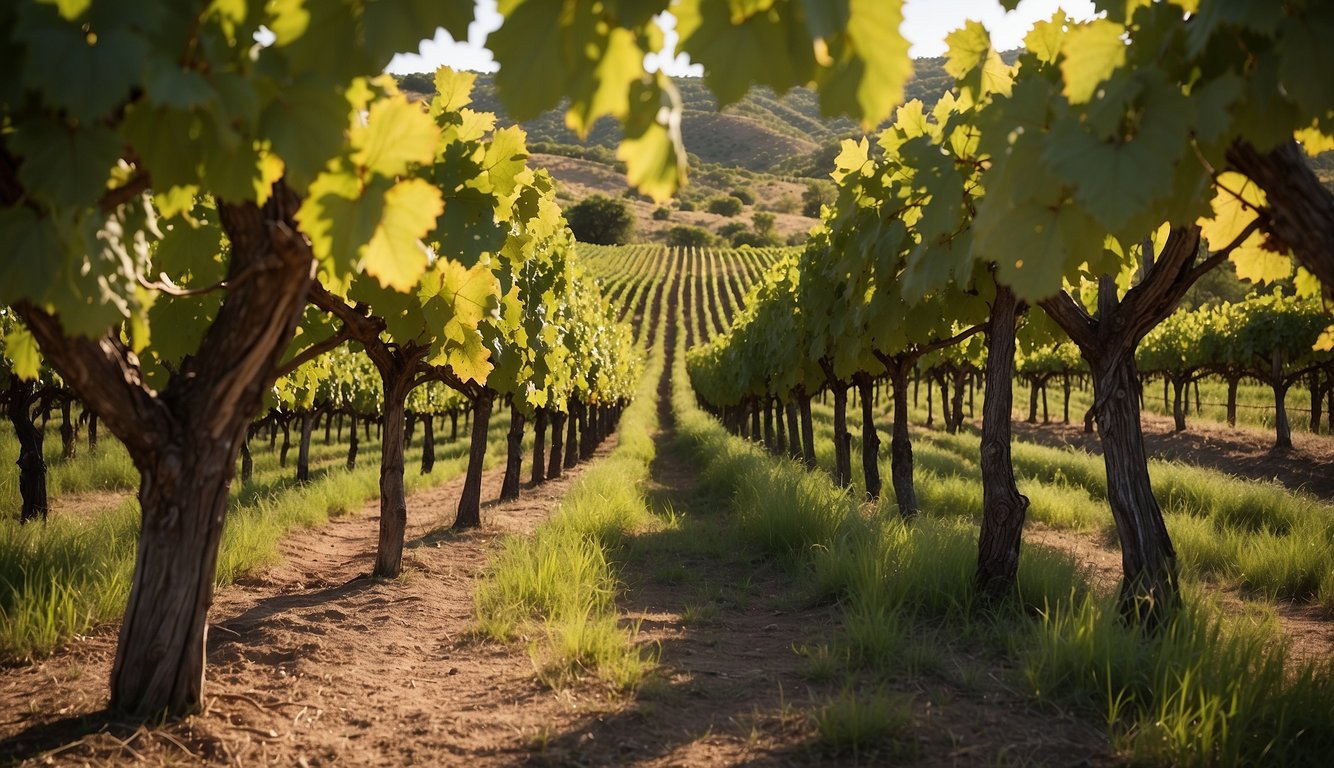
(1045, 38)
(1093, 51)
(86, 75)
(871, 63)
(617, 62)
(30, 260)
(393, 26)
(532, 58)
(765, 48)
(453, 90)
(395, 255)
(396, 135)
(506, 159)
(972, 61)
(1119, 181)
(65, 166)
(21, 350)
(1034, 245)
(305, 125)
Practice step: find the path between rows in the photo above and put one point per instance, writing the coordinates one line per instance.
(313, 663)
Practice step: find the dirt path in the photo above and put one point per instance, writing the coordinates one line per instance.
(313, 663)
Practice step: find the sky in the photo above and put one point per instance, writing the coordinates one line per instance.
(925, 24)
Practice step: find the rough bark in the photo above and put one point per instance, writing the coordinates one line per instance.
(397, 381)
(1065, 398)
(287, 441)
(509, 489)
(1282, 427)
(807, 430)
(68, 445)
(470, 500)
(557, 444)
(352, 444)
(185, 439)
(428, 444)
(1300, 210)
(780, 429)
(247, 461)
(1317, 400)
(303, 451)
(1032, 400)
(1178, 404)
(31, 462)
(1003, 507)
(900, 445)
(573, 426)
(1149, 590)
(842, 438)
(539, 446)
(92, 432)
(793, 431)
(870, 439)
(1232, 382)
(769, 424)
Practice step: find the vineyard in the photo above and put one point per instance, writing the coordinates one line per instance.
(330, 443)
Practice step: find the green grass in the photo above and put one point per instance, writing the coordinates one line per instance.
(1206, 691)
(558, 587)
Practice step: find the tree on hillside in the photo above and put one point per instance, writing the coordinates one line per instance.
(601, 220)
(725, 205)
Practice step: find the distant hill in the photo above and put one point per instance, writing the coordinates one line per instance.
(763, 132)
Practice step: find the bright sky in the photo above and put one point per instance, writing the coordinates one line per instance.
(925, 24)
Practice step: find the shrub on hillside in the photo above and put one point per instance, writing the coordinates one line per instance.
(661, 213)
(731, 229)
(814, 197)
(764, 223)
(746, 196)
(601, 220)
(725, 206)
(684, 205)
(682, 236)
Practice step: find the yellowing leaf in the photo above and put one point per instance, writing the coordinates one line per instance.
(21, 349)
(1314, 141)
(397, 134)
(453, 90)
(1093, 52)
(1326, 341)
(395, 255)
(1236, 200)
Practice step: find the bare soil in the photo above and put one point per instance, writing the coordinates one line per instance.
(312, 662)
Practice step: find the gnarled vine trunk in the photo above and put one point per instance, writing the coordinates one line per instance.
(539, 446)
(31, 462)
(1003, 507)
(509, 489)
(470, 499)
(842, 438)
(900, 445)
(352, 444)
(870, 439)
(428, 444)
(807, 430)
(554, 466)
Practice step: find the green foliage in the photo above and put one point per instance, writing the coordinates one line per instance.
(685, 236)
(601, 220)
(725, 206)
(662, 213)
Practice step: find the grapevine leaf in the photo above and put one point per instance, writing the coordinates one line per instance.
(395, 255)
(64, 166)
(28, 262)
(82, 74)
(532, 57)
(1093, 52)
(305, 125)
(21, 349)
(396, 135)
